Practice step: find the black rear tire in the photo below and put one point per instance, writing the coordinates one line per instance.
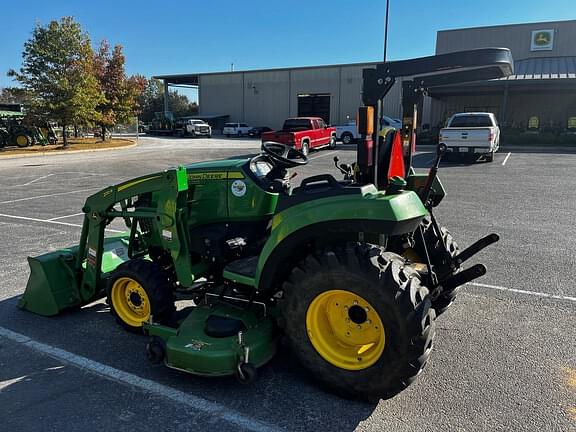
(398, 299)
(305, 148)
(435, 252)
(159, 293)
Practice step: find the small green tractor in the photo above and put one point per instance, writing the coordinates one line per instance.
(352, 273)
(14, 131)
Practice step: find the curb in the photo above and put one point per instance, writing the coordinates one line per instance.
(66, 152)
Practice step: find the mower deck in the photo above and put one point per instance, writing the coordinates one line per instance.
(216, 340)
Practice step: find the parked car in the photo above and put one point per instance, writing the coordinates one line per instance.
(471, 133)
(304, 133)
(236, 129)
(258, 130)
(349, 132)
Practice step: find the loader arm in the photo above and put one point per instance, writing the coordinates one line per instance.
(74, 277)
(171, 187)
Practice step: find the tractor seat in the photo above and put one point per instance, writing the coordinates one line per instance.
(316, 187)
(220, 327)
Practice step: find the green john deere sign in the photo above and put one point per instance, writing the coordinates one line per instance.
(542, 40)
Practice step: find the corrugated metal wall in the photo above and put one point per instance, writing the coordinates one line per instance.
(268, 97)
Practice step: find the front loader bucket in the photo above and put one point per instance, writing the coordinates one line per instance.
(52, 285)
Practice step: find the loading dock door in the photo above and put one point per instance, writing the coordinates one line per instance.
(314, 105)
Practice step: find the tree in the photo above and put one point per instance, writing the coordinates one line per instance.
(152, 100)
(58, 74)
(14, 95)
(121, 93)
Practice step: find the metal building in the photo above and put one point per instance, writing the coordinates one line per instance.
(268, 97)
(541, 94)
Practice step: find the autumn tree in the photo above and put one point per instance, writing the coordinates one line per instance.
(58, 75)
(121, 93)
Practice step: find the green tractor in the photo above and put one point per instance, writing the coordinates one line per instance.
(14, 131)
(352, 272)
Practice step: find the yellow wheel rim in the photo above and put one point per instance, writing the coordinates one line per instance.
(21, 140)
(345, 329)
(130, 302)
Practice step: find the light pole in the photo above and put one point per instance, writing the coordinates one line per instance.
(386, 28)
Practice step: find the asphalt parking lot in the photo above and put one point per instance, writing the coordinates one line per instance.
(505, 353)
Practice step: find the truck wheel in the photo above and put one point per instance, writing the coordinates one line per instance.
(138, 290)
(359, 320)
(347, 138)
(444, 300)
(305, 148)
(332, 144)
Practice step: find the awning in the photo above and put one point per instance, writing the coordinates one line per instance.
(533, 74)
(543, 68)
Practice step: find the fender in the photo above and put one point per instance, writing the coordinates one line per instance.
(338, 217)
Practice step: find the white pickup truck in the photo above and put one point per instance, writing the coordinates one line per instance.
(472, 133)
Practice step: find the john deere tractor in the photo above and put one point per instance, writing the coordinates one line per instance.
(352, 272)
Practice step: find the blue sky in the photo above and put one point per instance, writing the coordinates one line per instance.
(205, 36)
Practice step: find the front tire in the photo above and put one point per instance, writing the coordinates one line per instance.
(359, 320)
(347, 138)
(332, 144)
(138, 290)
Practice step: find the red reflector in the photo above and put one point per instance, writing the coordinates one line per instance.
(396, 167)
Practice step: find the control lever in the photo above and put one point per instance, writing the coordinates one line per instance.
(344, 169)
(425, 197)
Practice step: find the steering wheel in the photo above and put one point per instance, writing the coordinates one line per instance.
(284, 155)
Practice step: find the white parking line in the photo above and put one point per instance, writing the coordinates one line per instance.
(519, 291)
(195, 402)
(65, 217)
(47, 196)
(506, 159)
(37, 179)
(51, 221)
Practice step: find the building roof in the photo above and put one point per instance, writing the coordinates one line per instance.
(544, 68)
(192, 79)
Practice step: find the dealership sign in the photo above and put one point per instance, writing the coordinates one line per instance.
(542, 40)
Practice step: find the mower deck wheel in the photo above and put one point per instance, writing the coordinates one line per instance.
(246, 373)
(156, 350)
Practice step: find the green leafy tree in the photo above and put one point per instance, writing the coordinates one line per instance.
(58, 74)
(121, 93)
(152, 100)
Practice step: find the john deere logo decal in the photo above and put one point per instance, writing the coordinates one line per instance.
(542, 40)
(238, 188)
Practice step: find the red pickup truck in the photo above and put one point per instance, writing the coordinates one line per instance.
(304, 133)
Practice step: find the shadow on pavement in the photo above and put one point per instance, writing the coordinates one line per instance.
(283, 395)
